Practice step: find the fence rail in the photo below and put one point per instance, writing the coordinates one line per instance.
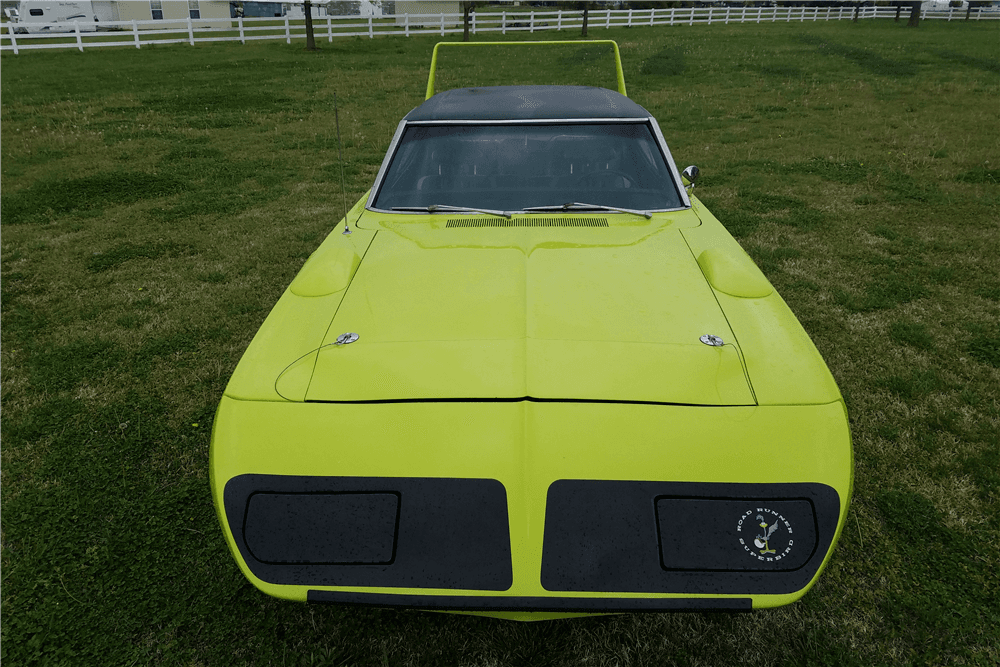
(192, 31)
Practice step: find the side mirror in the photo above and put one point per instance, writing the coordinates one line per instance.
(689, 176)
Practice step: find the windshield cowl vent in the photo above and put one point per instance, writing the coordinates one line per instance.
(526, 221)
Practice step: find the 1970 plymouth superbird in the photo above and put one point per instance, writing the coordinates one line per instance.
(530, 375)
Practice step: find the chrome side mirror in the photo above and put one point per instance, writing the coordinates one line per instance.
(689, 176)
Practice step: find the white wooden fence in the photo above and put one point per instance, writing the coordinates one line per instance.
(174, 31)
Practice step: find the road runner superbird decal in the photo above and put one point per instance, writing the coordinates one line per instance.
(769, 547)
(762, 540)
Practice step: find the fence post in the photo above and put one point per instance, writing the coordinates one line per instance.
(503, 23)
(135, 33)
(371, 32)
(652, 15)
(691, 22)
(559, 21)
(629, 25)
(13, 40)
(673, 12)
(79, 40)
(710, 15)
(406, 24)
(442, 24)
(473, 23)
(531, 22)
(727, 14)
(190, 31)
(607, 22)
(243, 37)
(329, 29)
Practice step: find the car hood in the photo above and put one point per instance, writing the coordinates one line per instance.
(470, 313)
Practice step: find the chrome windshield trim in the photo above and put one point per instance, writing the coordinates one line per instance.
(653, 211)
(385, 165)
(657, 134)
(670, 162)
(531, 121)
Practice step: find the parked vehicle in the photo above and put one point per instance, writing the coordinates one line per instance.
(533, 376)
(41, 16)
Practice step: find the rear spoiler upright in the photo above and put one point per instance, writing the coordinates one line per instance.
(614, 46)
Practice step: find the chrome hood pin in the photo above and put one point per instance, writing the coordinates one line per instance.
(346, 338)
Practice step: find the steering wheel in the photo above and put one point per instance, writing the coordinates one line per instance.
(597, 177)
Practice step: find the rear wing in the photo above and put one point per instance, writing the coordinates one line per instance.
(614, 46)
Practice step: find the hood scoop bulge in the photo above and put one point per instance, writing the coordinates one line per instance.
(551, 321)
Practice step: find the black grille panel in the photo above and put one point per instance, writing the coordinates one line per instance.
(392, 532)
(528, 222)
(684, 537)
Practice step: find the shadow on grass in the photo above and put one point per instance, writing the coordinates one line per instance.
(63, 367)
(125, 252)
(667, 62)
(911, 333)
(863, 58)
(886, 291)
(984, 64)
(44, 198)
(915, 384)
(943, 594)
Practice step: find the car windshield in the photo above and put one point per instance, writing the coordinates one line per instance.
(517, 166)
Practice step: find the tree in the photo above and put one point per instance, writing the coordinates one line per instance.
(974, 4)
(467, 9)
(585, 8)
(914, 21)
(310, 38)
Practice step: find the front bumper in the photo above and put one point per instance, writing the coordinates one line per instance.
(529, 507)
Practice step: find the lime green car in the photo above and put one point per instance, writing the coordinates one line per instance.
(531, 376)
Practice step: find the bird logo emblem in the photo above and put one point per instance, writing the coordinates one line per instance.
(761, 541)
(769, 545)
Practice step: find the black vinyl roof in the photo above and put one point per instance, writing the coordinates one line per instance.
(527, 103)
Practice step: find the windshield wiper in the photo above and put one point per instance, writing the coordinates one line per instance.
(434, 208)
(575, 205)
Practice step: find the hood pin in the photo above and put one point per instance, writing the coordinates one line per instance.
(709, 339)
(346, 338)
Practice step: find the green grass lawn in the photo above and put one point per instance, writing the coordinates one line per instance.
(156, 203)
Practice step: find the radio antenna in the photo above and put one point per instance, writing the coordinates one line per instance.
(340, 154)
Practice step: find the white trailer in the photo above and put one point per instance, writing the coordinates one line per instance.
(42, 16)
